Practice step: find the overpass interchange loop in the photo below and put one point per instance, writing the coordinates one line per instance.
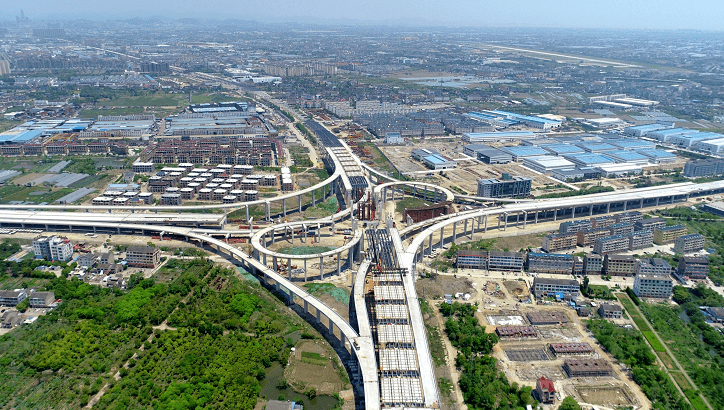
(386, 352)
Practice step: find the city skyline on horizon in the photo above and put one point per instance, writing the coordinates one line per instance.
(564, 14)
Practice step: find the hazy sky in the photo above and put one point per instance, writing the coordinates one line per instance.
(649, 14)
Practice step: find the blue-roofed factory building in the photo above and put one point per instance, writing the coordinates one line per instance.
(562, 149)
(589, 159)
(666, 134)
(518, 153)
(480, 137)
(596, 146)
(632, 144)
(658, 156)
(628, 156)
(643, 130)
(433, 159)
(687, 140)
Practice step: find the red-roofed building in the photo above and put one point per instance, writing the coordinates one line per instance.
(545, 390)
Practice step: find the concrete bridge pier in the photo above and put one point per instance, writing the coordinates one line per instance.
(305, 271)
(454, 236)
(555, 214)
(430, 245)
(274, 264)
(442, 236)
(505, 216)
(284, 207)
(590, 210)
(608, 206)
(247, 213)
(339, 257)
(300, 203)
(573, 212)
(321, 267)
(626, 203)
(289, 268)
(485, 228)
(525, 218)
(268, 210)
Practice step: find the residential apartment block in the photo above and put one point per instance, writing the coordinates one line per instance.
(592, 264)
(574, 226)
(623, 228)
(472, 259)
(549, 287)
(640, 240)
(619, 265)
(143, 256)
(550, 263)
(689, 243)
(650, 224)
(653, 286)
(610, 244)
(587, 237)
(560, 241)
(668, 234)
(603, 221)
(652, 266)
(631, 217)
(694, 267)
(53, 248)
(507, 261)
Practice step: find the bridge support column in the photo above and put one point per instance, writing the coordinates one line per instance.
(339, 257)
(94, 228)
(268, 210)
(425, 194)
(435, 198)
(321, 267)
(525, 218)
(284, 207)
(454, 237)
(305, 270)
(573, 212)
(289, 269)
(555, 214)
(70, 228)
(485, 229)
(247, 215)
(536, 216)
(517, 219)
(324, 192)
(264, 257)
(657, 201)
(442, 236)
(314, 199)
(274, 263)
(465, 229)
(608, 206)
(626, 203)
(505, 227)
(119, 230)
(430, 243)
(590, 210)
(641, 203)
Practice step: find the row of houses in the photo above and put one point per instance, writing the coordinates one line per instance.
(693, 267)
(65, 148)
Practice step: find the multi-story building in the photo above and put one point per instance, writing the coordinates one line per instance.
(652, 266)
(507, 261)
(577, 265)
(41, 299)
(619, 265)
(53, 248)
(640, 240)
(550, 287)
(574, 226)
(516, 187)
(705, 168)
(610, 244)
(631, 217)
(545, 390)
(587, 237)
(623, 228)
(650, 224)
(472, 259)
(550, 263)
(610, 311)
(12, 297)
(689, 243)
(143, 167)
(592, 264)
(560, 241)
(653, 286)
(603, 221)
(693, 267)
(668, 234)
(143, 256)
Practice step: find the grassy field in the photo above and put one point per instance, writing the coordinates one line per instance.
(20, 193)
(409, 203)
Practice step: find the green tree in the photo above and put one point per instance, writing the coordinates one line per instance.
(23, 306)
(569, 404)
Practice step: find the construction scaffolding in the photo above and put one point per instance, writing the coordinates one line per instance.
(399, 369)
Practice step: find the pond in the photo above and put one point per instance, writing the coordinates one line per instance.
(269, 389)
